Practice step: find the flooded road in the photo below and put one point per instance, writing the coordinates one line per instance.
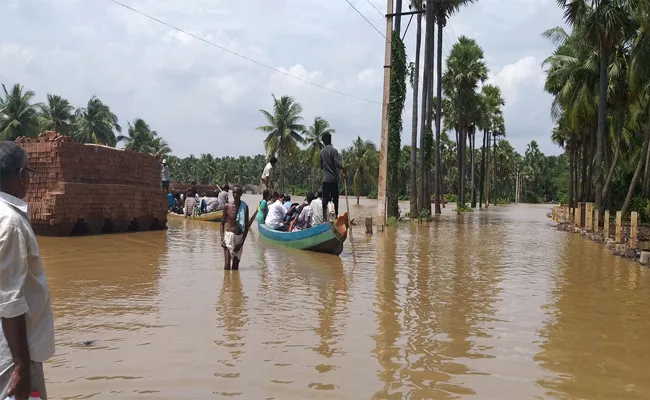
(488, 305)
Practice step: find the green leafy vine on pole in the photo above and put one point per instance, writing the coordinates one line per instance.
(398, 75)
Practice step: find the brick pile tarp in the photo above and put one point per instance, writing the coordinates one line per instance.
(103, 188)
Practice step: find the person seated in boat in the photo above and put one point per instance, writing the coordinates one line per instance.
(317, 209)
(204, 203)
(263, 209)
(287, 201)
(303, 220)
(235, 217)
(275, 217)
(190, 203)
(223, 197)
(213, 204)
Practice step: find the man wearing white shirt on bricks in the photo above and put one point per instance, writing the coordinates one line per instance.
(27, 323)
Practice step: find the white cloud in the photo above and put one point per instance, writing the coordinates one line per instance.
(193, 93)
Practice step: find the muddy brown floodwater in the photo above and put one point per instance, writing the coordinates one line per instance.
(490, 305)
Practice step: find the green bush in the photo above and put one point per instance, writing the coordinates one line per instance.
(372, 194)
(463, 209)
(391, 221)
(642, 206)
(451, 197)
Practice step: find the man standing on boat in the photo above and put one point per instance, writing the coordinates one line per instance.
(235, 215)
(266, 182)
(27, 338)
(330, 163)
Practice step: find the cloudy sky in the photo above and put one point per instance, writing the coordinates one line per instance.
(202, 99)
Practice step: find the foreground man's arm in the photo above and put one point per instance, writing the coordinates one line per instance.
(13, 307)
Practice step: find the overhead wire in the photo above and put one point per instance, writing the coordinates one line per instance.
(259, 63)
(376, 9)
(364, 17)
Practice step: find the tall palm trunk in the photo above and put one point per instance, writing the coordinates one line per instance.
(570, 154)
(482, 173)
(619, 134)
(495, 171)
(600, 139)
(471, 149)
(429, 188)
(428, 69)
(583, 175)
(438, 172)
(487, 173)
(637, 172)
(413, 194)
(398, 18)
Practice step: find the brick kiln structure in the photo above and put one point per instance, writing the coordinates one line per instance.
(91, 189)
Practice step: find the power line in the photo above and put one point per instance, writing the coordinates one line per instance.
(373, 6)
(362, 16)
(261, 64)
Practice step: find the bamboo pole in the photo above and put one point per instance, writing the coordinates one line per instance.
(606, 225)
(594, 220)
(618, 227)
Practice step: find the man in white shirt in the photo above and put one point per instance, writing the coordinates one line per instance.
(317, 209)
(266, 182)
(27, 323)
(275, 216)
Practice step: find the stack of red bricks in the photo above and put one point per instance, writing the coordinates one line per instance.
(91, 184)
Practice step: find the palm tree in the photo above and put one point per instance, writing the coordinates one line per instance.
(443, 10)
(284, 131)
(415, 81)
(95, 124)
(18, 117)
(160, 148)
(314, 139)
(57, 114)
(465, 69)
(602, 24)
(491, 117)
(364, 162)
(140, 137)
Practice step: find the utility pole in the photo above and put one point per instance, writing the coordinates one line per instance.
(383, 149)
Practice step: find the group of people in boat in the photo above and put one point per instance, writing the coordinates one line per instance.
(276, 210)
(191, 204)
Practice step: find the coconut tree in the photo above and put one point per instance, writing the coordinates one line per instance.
(364, 162)
(160, 148)
(57, 114)
(314, 141)
(284, 131)
(18, 116)
(602, 24)
(466, 68)
(443, 10)
(140, 137)
(415, 82)
(96, 123)
(490, 118)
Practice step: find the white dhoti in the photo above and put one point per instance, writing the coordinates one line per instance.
(231, 241)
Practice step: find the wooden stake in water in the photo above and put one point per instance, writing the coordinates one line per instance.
(633, 225)
(588, 215)
(618, 226)
(368, 225)
(606, 225)
(594, 220)
(347, 205)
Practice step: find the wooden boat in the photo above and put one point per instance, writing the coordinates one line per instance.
(214, 216)
(323, 238)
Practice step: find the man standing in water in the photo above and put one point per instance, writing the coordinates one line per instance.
(164, 176)
(235, 215)
(266, 182)
(27, 323)
(330, 162)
